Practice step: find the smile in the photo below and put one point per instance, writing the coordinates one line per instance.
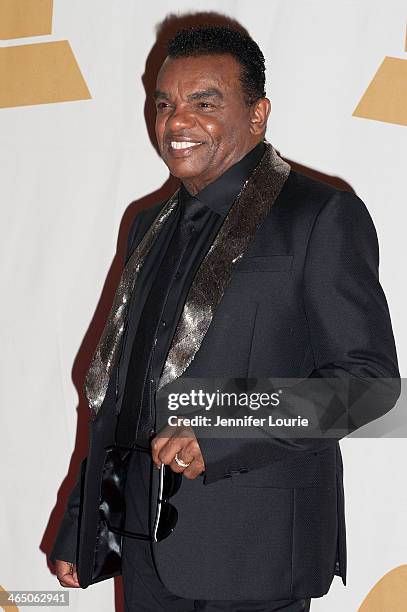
(183, 144)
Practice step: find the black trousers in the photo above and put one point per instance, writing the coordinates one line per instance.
(143, 589)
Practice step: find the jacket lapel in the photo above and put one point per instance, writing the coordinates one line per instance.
(246, 214)
(104, 358)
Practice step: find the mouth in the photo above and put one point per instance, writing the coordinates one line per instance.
(182, 148)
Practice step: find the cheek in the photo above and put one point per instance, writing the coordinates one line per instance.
(213, 128)
(225, 133)
(159, 128)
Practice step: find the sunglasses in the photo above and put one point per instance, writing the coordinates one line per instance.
(166, 514)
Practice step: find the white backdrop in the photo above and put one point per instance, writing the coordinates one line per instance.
(68, 173)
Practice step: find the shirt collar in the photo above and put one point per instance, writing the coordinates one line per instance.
(221, 193)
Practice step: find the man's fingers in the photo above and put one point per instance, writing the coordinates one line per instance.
(197, 465)
(173, 446)
(191, 453)
(156, 445)
(184, 446)
(160, 441)
(182, 457)
(69, 581)
(187, 454)
(194, 470)
(67, 574)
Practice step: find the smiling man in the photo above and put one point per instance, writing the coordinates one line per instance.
(244, 272)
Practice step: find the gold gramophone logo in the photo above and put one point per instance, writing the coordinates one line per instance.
(7, 607)
(389, 594)
(40, 73)
(386, 97)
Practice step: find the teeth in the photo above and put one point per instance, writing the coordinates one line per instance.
(183, 145)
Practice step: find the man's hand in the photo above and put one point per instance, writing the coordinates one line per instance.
(180, 441)
(66, 574)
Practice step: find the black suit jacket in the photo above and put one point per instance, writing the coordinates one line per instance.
(267, 520)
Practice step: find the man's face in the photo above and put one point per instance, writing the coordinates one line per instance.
(203, 125)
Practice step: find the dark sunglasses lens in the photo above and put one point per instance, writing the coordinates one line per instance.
(167, 522)
(172, 482)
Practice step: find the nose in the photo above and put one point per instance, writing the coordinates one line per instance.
(179, 119)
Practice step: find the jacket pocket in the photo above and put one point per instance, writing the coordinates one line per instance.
(267, 263)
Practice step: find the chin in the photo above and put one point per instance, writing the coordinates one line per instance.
(183, 170)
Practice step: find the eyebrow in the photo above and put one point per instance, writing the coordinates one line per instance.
(197, 95)
(206, 93)
(160, 94)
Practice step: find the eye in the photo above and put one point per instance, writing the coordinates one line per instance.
(162, 105)
(206, 105)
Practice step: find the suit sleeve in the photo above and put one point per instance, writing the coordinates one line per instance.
(65, 545)
(349, 328)
(346, 309)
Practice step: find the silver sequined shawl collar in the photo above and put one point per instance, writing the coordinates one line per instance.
(245, 215)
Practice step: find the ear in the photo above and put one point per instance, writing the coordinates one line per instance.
(259, 113)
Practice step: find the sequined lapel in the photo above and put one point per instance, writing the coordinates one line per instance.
(104, 358)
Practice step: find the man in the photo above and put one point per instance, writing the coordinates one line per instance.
(249, 270)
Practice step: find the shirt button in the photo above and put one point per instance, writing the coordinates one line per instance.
(163, 323)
